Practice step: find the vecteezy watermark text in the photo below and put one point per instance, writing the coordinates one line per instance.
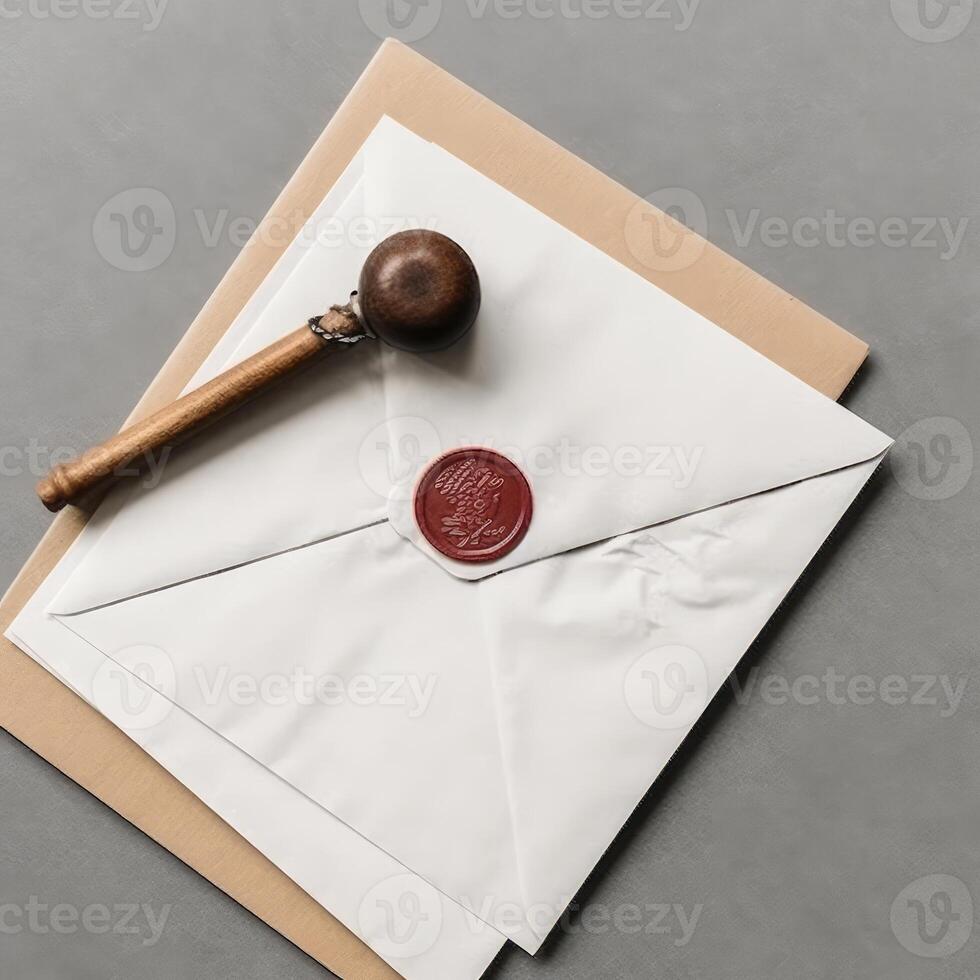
(148, 12)
(669, 919)
(138, 688)
(402, 917)
(393, 452)
(358, 231)
(35, 459)
(412, 20)
(136, 229)
(668, 230)
(839, 231)
(833, 687)
(41, 919)
(679, 13)
(668, 688)
(410, 692)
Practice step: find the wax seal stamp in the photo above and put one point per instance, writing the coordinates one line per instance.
(418, 291)
(473, 505)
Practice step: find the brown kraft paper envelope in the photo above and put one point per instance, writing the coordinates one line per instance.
(43, 714)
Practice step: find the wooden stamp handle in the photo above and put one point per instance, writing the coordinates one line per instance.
(102, 465)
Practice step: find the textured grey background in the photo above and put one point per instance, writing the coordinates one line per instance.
(792, 826)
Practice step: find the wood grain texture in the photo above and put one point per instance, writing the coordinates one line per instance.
(419, 291)
(63, 729)
(129, 452)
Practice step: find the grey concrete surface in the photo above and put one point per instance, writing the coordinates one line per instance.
(798, 835)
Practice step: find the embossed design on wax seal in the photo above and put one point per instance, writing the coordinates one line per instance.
(473, 505)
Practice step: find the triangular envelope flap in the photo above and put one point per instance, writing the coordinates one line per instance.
(356, 695)
(524, 728)
(606, 658)
(623, 407)
(282, 472)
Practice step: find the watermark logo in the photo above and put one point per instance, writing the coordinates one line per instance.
(36, 459)
(122, 694)
(933, 916)
(673, 921)
(136, 230)
(409, 693)
(933, 21)
(933, 459)
(672, 235)
(411, 20)
(938, 691)
(679, 13)
(676, 465)
(406, 20)
(667, 688)
(942, 235)
(38, 918)
(392, 454)
(363, 231)
(149, 13)
(401, 917)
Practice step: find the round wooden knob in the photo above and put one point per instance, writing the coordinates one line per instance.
(418, 291)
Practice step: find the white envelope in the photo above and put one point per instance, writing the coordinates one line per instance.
(489, 727)
(351, 877)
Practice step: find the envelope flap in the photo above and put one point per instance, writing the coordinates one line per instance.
(280, 473)
(622, 407)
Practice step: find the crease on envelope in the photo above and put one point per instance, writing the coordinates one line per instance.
(337, 619)
(214, 507)
(577, 761)
(556, 313)
(217, 571)
(256, 802)
(708, 583)
(501, 731)
(493, 802)
(535, 289)
(336, 865)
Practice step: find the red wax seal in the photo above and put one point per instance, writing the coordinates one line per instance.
(473, 505)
